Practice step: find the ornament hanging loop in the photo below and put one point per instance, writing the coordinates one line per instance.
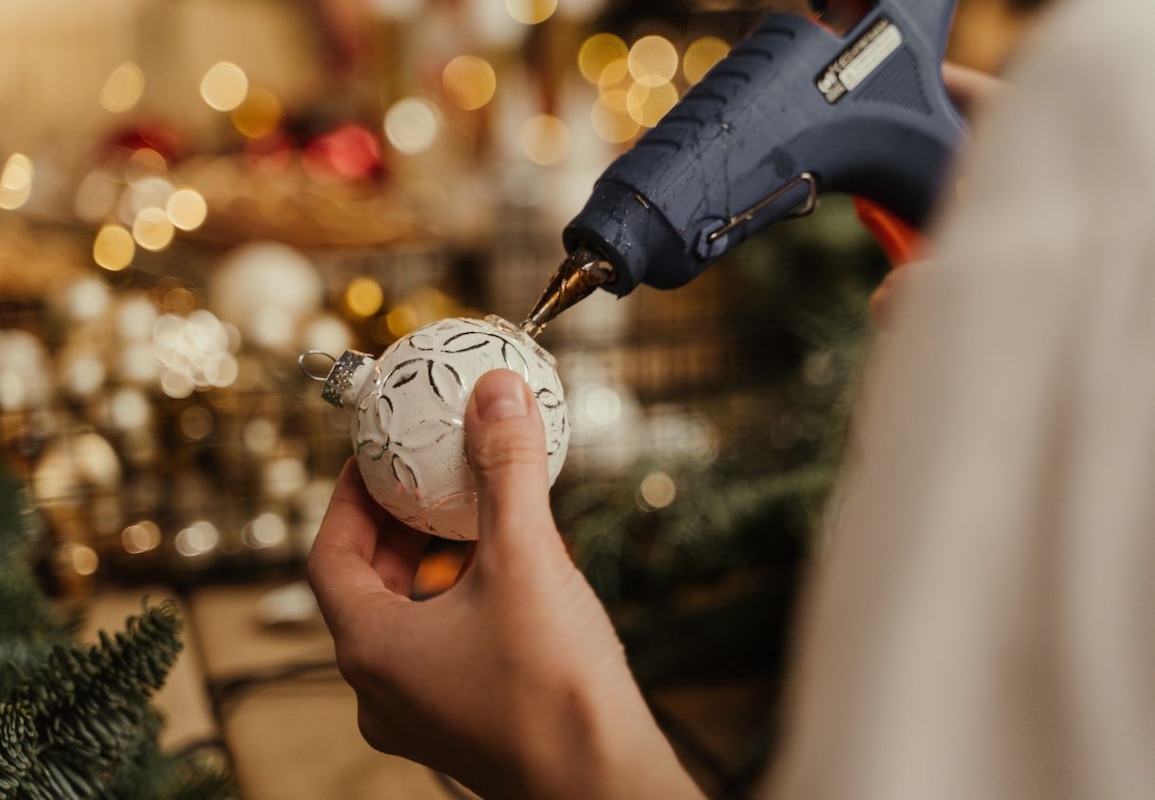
(319, 377)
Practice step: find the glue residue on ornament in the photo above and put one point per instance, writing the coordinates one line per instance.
(408, 430)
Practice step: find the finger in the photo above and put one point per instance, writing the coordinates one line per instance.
(396, 547)
(346, 564)
(507, 453)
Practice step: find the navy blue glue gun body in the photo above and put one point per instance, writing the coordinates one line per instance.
(794, 111)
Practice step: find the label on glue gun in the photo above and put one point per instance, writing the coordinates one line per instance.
(858, 61)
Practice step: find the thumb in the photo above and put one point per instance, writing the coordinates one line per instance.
(507, 453)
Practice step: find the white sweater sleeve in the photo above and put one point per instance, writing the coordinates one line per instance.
(982, 622)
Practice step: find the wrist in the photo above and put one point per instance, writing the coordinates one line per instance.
(609, 747)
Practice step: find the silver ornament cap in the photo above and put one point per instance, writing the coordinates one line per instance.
(340, 386)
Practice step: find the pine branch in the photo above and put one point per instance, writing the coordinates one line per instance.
(89, 705)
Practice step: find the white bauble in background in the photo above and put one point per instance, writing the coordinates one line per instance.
(266, 289)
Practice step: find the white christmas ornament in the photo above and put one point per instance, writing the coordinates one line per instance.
(408, 429)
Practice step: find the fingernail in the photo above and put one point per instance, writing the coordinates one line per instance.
(500, 395)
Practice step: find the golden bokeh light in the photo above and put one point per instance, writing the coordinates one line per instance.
(114, 248)
(123, 88)
(598, 52)
(614, 73)
(609, 119)
(469, 82)
(16, 181)
(531, 12)
(653, 60)
(411, 125)
(658, 490)
(83, 559)
(224, 86)
(364, 297)
(401, 320)
(152, 229)
(259, 113)
(187, 209)
(140, 537)
(545, 139)
(701, 56)
(647, 105)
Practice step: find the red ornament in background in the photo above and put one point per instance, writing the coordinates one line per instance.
(349, 152)
(164, 139)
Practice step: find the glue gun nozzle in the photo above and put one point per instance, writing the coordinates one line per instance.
(579, 275)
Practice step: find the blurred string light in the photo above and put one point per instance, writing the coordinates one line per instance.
(16, 181)
(194, 353)
(364, 297)
(646, 105)
(152, 229)
(657, 491)
(129, 409)
(86, 300)
(198, 539)
(123, 88)
(545, 139)
(224, 86)
(599, 52)
(114, 248)
(469, 82)
(258, 114)
(636, 84)
(96, 195)
(653, 61)
(82, 558)
(701, 56)
(610, 120)
(411, 125)
(265, 530)
(187, 209)
(140, 537)
(531, 12)
(144, 162)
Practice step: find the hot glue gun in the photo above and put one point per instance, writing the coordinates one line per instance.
(793, 112)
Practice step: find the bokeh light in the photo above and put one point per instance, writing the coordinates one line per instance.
(610, 120)
(140, 537)
(83, 559)
(258, 114)
(123, 88)
(545, 139)
(658, 490)
(224, 86)
(198, 539)
(531, 12)
(401, 320)
(653, 60)
(114, 248)
(265, 530)
(701, 56)
(96, 195)
(151, 191)
(187, 209)
(16, 181)
(411, 125)
(363, 297)
(469, 82)
(153, 230)
(129, 409)
(598, 52)
(647, 105)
